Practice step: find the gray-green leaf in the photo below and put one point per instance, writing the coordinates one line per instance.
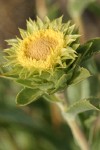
(79, 75)
(27, 96)
(89, 48)
(82, 106)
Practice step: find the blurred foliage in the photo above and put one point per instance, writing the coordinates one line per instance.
(39, 126)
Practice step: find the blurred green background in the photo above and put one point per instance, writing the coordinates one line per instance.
(39, 126)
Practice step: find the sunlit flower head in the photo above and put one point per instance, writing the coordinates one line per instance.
(44, 46)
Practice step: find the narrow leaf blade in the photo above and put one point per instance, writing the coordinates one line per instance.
(89, 48)
(80, 75)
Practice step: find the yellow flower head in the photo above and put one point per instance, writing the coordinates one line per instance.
(43, 47)
(40, 50)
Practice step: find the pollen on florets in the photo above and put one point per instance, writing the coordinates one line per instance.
(40, 48)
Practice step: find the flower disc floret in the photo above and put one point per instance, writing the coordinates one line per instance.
(40, 50)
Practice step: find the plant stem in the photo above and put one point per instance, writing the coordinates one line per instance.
(76, 130)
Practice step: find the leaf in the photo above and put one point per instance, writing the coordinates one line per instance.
(62, 81)
(35, 85)
(95, 45)
(89, 48)
(27, 96)
(46, 86)
(79, 75)
(82, 106)
(83, 49)
(26, 83)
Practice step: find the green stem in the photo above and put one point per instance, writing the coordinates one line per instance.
(76, 130)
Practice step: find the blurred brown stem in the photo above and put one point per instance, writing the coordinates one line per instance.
(41, 8)
(79, 22)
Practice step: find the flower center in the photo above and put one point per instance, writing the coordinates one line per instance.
(41, 48)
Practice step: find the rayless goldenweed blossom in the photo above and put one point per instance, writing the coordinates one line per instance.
(42, 58)
(45, 61)
(44, 46)
(47, 58)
